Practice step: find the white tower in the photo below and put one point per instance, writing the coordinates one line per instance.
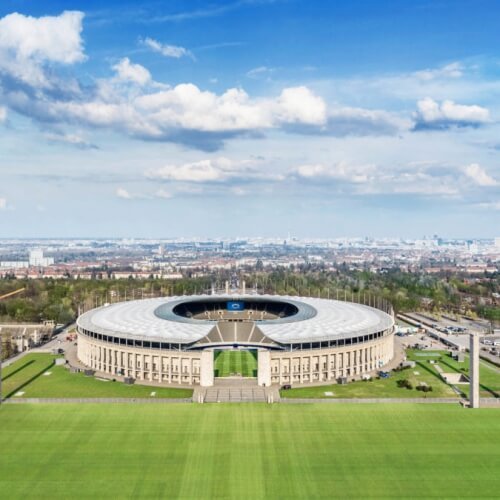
(474, 371)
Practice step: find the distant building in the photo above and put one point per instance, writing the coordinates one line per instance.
(37, 259)
(14, 264)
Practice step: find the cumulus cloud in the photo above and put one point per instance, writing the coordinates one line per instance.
(301, 105)
(123, 194)
(434, 115)
(131, 102)
(478, 175)
(28, 43)
(166, 50)
(420, 179)
(338, 171)
(210, 171)
(129, 72)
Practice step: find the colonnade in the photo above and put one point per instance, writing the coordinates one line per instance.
(274, 367)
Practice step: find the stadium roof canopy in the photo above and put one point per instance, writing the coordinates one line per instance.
(316, 319)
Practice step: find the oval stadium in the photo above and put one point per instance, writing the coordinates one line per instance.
(296, 340)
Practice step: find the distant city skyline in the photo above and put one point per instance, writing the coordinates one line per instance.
(249, 118)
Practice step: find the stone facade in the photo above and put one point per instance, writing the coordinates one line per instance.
(196, 367)
(326, 365)
(154, 365)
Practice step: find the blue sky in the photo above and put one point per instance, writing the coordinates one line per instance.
(250, 117)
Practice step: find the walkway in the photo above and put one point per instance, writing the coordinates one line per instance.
(236, 390)
(58, 341)
(235, 395)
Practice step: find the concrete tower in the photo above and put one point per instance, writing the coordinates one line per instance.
(474, 371)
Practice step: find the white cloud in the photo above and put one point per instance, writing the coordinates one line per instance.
(27, 43)
(212, 170)
(260, 72)
(127, 71)
(432, 114)
(133, 103)
(477, 174)
(238, 191)
(452, 70)
(300, 105)
(76, 140)
(3, 203)
(200, 171)
(162, 193)
(339, 171)
(123, 194)
(166, 50)
(186, 106)
(345, 121)
(494, 205)
(3, 114)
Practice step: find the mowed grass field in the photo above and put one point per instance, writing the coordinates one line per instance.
(36, 376)
(248, 451)
(228, 363)
(424, 372)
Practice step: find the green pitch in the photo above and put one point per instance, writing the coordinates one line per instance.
(229, 363)
(248, 451)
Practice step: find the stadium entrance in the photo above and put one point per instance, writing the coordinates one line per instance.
(235, 363)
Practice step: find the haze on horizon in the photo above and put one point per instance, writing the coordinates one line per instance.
(249, 117)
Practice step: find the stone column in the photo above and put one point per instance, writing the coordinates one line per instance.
(474, 371)
(264, 368)
(207, 368)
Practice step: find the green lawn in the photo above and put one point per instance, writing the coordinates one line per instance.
(16, 376)
(248, 451)
(31, 376)
(235, 362)
(423, 372)
(382, 388)
(489, 374)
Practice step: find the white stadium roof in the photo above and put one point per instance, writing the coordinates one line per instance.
(317, 320)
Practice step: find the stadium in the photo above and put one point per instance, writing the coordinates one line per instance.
(297, 340)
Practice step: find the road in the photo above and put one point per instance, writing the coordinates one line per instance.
(57, 341)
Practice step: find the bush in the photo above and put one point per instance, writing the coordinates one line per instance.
(424, 388)
(404, 382)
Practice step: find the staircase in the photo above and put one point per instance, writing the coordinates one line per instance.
(235, 395)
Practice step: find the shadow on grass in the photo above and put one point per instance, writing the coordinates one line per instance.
(27, 382)
(465, 372)
(22, 367)
(445, 362)
(495, 394)
(438, 377)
